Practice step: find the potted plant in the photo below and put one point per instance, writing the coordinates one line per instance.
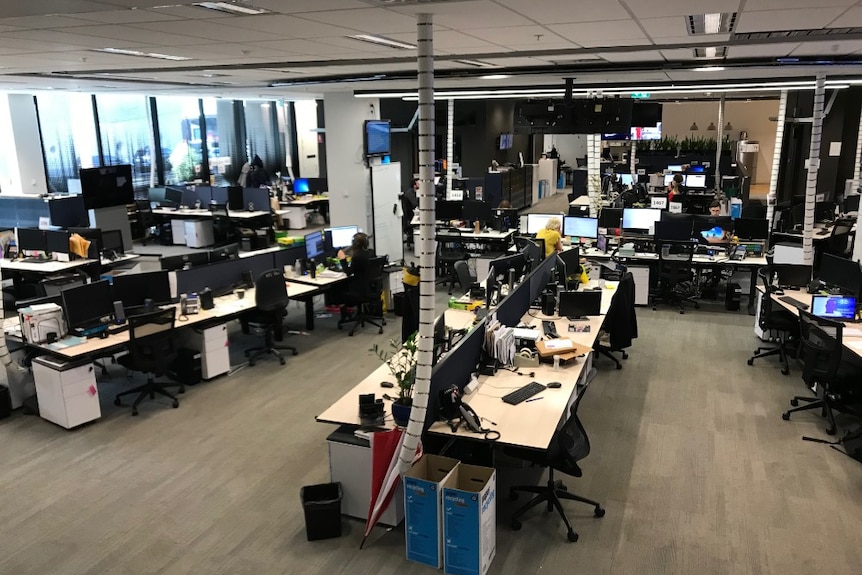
(401, 361)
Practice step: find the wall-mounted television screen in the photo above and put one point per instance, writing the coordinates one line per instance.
(506, 141)
(107, 186)
(647, 133)
(377, 138)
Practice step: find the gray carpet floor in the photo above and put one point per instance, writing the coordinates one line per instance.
(690, 457)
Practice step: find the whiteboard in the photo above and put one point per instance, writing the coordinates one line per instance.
(386, 211)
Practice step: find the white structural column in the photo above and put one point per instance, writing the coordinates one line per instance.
(450, 146)
(427, 243)
(594, 176)
(633, 160)
(813, 168)
(857, 180)
(772, 196)
(719, 140)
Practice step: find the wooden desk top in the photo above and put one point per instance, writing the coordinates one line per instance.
(46, 267)
(305, 200)
(318, 281)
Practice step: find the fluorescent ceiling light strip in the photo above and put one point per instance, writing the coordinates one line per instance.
(709, 69)
(231, 8)
(138, 53)
(477, 63)
(381, 41)
(711, 23)
(710, 52)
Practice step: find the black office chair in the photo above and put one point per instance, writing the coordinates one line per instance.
(835, 380)
(569, 445)
(620, 323)
(151, 351)
(839, 242)
(534, 250)
(775, 318)
(465, 276)
(224, 228)
(53, 285)
(365, 295)
(270, 309)
(450, 249)
(676, 283)
(150, 224)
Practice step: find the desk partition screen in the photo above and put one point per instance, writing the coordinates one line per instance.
(455, 368)
(258, 198)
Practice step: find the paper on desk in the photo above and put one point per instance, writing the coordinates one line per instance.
(68, 341)
(851, 332)
(559, 344)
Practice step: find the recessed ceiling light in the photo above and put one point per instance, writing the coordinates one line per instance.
(712, 23)
(233, 8)
(140, 54)
(495, 77)
(709, 69)
(477, 63)
(710, 52)
(383, 41)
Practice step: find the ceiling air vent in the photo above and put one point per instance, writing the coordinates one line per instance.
(713, 23)
(710, 52)
(396, 3)
(812, 34)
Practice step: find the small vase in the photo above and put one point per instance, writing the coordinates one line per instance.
(401, 413)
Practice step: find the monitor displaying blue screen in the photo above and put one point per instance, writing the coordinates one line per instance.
(832, 306)
(377, 141)
(314, 245)
(697, 169)
(581, 227)
(300, 186)
(674, 168)
(627, 179)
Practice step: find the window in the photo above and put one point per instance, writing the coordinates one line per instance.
(180, 136)
(125, 127)
(223, 149)
(262, 136)
(68, 136)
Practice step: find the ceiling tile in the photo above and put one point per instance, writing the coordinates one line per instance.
(120, 36)
(370, 20)
(124, 16)
(55, 37)
(46, 7)
(288, 26)
(537, 36)
(800, 19)
(190, 12)
(767, 51)
(827, 48)
(467, 16)
(672, 26)
(445, 39)
(207, 29)
(604, 42)
(41, 22)
(600, 33)
(560, 13)
(753, 5)
(639, 56)
(713, 40)
(307, 47)
(658, 8)
(852, 17)
(299, 6)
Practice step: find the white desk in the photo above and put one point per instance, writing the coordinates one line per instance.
(301, 205)
(46, 267)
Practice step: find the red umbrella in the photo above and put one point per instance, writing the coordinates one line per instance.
(385, 446)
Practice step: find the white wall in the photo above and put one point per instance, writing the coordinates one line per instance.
(753, 117)
(22, 170)
(306, 138)
(348, 177)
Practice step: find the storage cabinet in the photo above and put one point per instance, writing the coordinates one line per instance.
(67, 391)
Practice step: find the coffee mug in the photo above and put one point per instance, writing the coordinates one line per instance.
(240, 293)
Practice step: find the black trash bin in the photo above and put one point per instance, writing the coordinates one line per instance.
(322, 507)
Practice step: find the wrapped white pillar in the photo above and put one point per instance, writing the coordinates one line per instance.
(427, 243)
(594, 176)
(813, 168)
(772, 196)
(719, 140)
(450, 147)
(633, 159)
(857, 180)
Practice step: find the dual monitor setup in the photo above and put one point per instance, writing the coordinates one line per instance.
(328, 241)
(103, 243)
(200, 258)
(578, 227)
(475, 211)
(234, 198)
(680, 227)
(841, 278)
(303, 186)
(91, 307)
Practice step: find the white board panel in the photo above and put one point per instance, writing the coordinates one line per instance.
(385, 187)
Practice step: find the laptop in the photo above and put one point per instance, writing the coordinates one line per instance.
(579, 304)
(834, 307)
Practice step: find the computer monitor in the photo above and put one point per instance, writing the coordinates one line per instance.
(313, 245)
(300, 186)
(751, 229)
(185, 261)
(640, 219)
(477, 210)
(674, 168)
(229, 252)
(134, 288)
(581, 227)
(57, 242)
(792, 275)
(107, 186)
(67, 212)
(844, 274)
(256, 198)
(712, 227)
(627, 179)
(31, 239)
(507, 218)
(668, 178)
(317, 185)
(500, 267)
(610, 217)
(696, 181)
(571, 258)
(536, 222)
(669, 217)
(112, 242)
(580, 304)
(834, 307)
(174, 195)
(851, 203)
(88, 305)
(673, 230)
(448, 210)
(697, 169)
(342, 236)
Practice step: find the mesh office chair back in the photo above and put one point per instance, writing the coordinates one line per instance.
(571, 443)
(821, 348)
(270, 292)
(465, 278)
(151, 341)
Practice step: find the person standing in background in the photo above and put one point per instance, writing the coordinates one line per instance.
(409, 202)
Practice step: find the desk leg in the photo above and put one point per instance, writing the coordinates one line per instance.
(309, 313)
(752, 290)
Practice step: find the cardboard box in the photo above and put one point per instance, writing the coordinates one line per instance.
(469, 520)
(423, 508)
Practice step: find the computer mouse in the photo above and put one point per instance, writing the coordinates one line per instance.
(554, 385)
(103, 335)
(778, 292)
(387, 384)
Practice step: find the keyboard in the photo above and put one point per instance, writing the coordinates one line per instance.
(550, 328)
(523, 393)
(794, 302)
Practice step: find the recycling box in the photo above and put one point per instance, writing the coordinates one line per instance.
(423, 510)
(469, 520)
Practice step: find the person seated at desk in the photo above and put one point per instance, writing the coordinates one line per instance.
(715, 208)
(552, 237)
(675, 188)
(356, 270)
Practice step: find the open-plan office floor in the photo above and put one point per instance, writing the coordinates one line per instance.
(690, 457)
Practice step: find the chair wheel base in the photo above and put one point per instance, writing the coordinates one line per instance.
(599, 512)
(750, 362)
(572, 537)
(295, 352)
(117, 401)
(785, 371)
(175, 404)
(516, 525)
(619, 366)
(794, 402)
(830, 431)
(785, 416)
(134, 412)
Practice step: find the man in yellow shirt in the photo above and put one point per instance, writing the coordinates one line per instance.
(551, 235)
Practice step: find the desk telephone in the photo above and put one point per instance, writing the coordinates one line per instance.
(456, 412)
